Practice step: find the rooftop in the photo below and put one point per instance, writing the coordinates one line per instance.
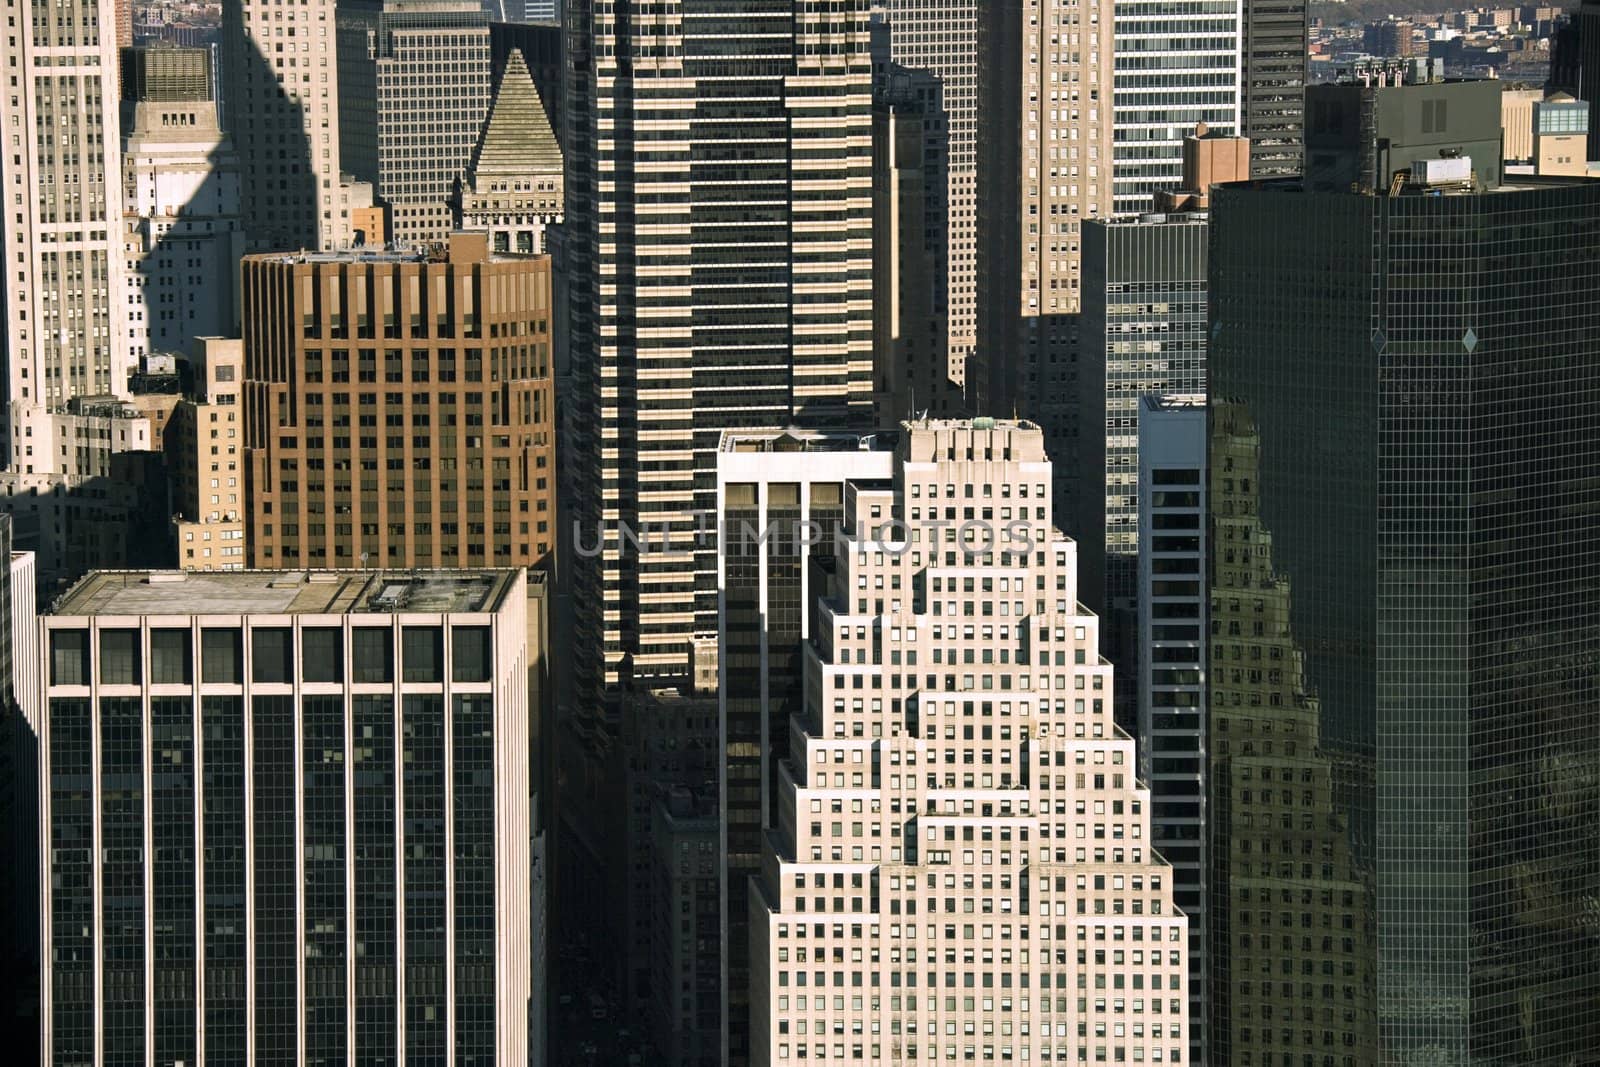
(285, 592)
(796, 440)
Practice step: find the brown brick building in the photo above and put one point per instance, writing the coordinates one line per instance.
(399, 408)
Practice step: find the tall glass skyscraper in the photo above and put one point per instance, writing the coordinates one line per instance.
(1409, 377)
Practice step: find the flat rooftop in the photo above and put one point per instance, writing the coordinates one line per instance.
(797, 440)
(286, 592)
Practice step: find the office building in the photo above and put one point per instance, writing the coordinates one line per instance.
(282, 112)
(940, 42)
(783, 482)
(1172, 642)
(1177, 66)
(288, 817)
(729, 287)
(921, 840)
(206, 458)
(65, 289)
(1428, 123)
(1272, 111)
(513, 186)
(413, 93)
(19, 792)
(181, 207)
(761, 317)
(911, 372)
(1392, 38)
(431, 444)
(685, 935)
(1045, 168)
(1144, 332)
(1587, 66)
(1413, 486)
(1516, 122)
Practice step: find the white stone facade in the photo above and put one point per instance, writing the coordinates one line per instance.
(962, 869)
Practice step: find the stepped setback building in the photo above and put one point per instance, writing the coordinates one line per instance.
(961, 863)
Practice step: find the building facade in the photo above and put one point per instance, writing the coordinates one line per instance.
(1272, 108)
(398, 408)
(513, 187)
(1045, 89)
(782, 482)
(282, 112)
(962, 849)
(941, 40)
(1413, 472)
(1172, 644)
(288, 817)
(1177, 66)
(65, 288)
(206, 458)
(181, 204)
(413, 93)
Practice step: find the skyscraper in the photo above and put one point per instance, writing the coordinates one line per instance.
(719, 252)
(288, 817)
(1178, 65)
(1417, 477)
(1170, 679)
(731, 283)
(65, 289)
(282, 111)
(954, 779)
(513, 185)
(1272, 108)
(1587, 19)
(1144, 332)
(19, 795)
(399, 408)
(940, 39)
(783, 482)
(184, 235)
(413, 93)
(1045, 167)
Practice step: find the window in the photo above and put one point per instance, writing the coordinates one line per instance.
(422, 654)
(470, 657)
(170, 662)
(321, 654)
(220, 657)
(271, 655)
(119, 657)
(69, 657)
(372, 654)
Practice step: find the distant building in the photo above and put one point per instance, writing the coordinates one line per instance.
(206, 456)
(181, 203)
(287, 817)
(1391, 38)
(1275, 78)
(513, 186)
(413, 92)
(404, 408)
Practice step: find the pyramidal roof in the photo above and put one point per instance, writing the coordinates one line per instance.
(517, 138)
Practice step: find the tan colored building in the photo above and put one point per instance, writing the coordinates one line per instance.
(399, 408)
(205, 455)
(1516, 122)
(513, 186)
(961, 848)
(1208, 159)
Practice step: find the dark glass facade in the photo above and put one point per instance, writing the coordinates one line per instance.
(1420, 376)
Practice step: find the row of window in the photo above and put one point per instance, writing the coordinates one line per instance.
(273, 653)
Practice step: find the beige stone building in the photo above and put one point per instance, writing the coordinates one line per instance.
(399, 408)
(205, 458)
(961, 867)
